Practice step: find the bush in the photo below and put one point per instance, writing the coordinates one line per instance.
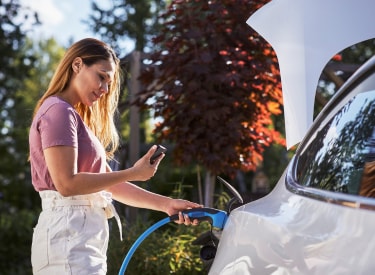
(168, 250)
(16, 231)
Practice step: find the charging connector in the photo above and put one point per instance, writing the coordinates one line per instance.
(217, 218)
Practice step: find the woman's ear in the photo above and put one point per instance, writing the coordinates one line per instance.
(77, 64)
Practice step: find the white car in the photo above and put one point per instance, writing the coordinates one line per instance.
(320, 217)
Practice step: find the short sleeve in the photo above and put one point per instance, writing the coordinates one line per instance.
(58, 126)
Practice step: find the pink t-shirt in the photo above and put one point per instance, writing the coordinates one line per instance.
(58, 124)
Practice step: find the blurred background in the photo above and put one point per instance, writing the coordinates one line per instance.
(196, 79)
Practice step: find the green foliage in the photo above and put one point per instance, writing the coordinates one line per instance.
(130, 19)
(16, 231)
(19, 203)
(18, 110)
(168, 250)
(15, 65)
(23, 76)
(359, 53)
(175, 181)
(276, 158)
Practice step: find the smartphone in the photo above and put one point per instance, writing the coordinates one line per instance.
(158, 152)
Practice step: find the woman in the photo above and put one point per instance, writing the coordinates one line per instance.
(71, 138)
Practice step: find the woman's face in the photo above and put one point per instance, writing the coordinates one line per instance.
(89, 83)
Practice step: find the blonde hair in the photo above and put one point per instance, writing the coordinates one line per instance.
(99, 117)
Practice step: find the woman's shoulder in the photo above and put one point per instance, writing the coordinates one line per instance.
(55, 102)
(54, 105)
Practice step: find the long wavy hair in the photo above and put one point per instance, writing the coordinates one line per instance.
(100, 116)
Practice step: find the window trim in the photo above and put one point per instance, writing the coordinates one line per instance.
(349, 200)
(291, 183)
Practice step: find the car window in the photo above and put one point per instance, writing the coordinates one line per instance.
(340, 157)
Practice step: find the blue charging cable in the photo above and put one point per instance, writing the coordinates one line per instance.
(139, 241)
(216, 217)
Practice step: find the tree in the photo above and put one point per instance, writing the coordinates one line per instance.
(15, 67)
(17, 197)
(215, 84)
(129, 19)
(20, 204)
(17, 189)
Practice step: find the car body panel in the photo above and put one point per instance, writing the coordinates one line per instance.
(284, 233)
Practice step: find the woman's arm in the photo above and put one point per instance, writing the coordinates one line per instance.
(130, 194)
(62, 166)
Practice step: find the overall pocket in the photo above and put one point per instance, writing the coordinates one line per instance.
(39, 248)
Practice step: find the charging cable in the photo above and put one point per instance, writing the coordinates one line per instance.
(217, 218)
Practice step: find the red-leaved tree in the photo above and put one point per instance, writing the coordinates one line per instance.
(215, 83)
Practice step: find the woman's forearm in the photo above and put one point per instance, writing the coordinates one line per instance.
(130, 194)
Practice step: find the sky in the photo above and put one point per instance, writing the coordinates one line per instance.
(62, 19)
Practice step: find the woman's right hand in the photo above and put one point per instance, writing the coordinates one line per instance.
(143, 170)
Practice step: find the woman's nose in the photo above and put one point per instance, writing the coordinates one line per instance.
(104, 88)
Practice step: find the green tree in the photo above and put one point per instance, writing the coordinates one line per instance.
(17, 189)
(358, 53)
(20, 204)
(215, 83)
(16, 194)
(16, 65)
(126, 19)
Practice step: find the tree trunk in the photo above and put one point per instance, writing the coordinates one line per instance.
(209, 191)
(134, 110)
(200, 191)
(134, 142)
